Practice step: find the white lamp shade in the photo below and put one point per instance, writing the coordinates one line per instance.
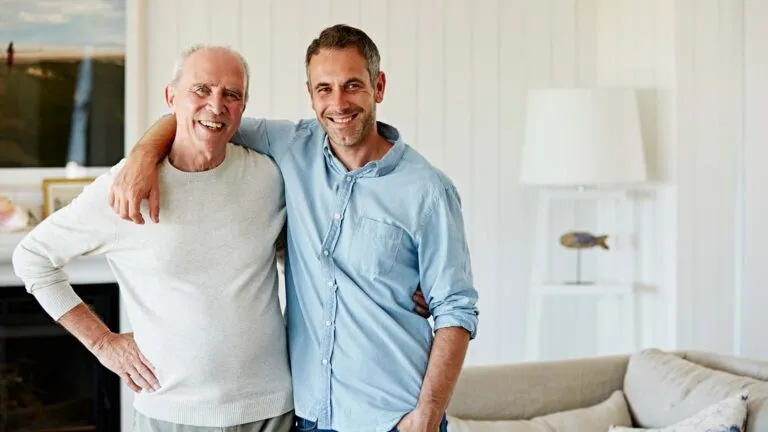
(582, 137)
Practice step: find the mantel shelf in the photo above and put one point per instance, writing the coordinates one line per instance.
(92, 269)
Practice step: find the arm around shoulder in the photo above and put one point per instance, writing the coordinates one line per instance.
(270, 137)
(138, 178)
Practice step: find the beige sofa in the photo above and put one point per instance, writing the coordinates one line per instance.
(659, 388)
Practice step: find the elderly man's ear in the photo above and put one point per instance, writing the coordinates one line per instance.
(170, 95)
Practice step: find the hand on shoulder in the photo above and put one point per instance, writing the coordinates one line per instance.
(135, 180)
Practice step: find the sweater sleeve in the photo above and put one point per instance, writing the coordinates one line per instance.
(87, 226)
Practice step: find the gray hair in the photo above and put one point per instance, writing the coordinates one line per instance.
(178, 67)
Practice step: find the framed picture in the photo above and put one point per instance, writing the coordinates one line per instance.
(58, 192)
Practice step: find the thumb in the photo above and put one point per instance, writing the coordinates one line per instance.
(154, 204)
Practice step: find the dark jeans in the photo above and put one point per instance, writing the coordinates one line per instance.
(304, 425)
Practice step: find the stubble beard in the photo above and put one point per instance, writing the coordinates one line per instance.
(356, 138)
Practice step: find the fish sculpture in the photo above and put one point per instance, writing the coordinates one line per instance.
(583, 240)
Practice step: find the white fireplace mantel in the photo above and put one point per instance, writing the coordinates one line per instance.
(84, 270)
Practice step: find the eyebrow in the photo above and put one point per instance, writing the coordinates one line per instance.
(349, 81)
(229, 89)
(234, 90)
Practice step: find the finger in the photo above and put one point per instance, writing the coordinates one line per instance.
(139, 379)
(129, 382)
(123, 204)
(419, 300)
(146, 362)
(134, 206)
(154, 204)
(148, 376)
(111, 197)
(116, 203)
(422, 311)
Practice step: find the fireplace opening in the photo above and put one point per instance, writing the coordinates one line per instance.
(49, 382)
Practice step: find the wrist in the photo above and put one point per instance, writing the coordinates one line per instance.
(100, 342)
(431, 410)
(144, 156)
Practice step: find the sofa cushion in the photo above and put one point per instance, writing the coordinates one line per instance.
(729, 415)
(520, 391)
(663, 389)
(600, 417)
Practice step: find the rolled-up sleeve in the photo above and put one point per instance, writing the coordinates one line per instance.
(444, 263)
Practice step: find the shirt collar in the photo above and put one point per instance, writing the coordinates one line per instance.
(375, 168)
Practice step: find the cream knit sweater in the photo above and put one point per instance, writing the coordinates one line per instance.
(200, 287)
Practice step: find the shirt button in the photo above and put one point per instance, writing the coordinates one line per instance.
(330, 283)
(325, 361)
(337, 216)
(347, 178)
(325, 252)
(327, 323)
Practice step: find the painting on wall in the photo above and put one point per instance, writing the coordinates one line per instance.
(58, 192)
(62, 82)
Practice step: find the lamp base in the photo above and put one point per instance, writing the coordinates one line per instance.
(578, 282)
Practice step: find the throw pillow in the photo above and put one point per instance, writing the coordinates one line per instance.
(729, 415)
(597, 418)
(662, 389)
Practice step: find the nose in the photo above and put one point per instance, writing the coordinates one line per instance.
(216, 104)
(339, 100)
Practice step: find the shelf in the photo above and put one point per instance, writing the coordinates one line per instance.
(601, 288)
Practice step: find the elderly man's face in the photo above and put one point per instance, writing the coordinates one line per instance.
(209, 99)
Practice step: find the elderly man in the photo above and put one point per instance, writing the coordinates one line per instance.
(369, 220)
(201, 287)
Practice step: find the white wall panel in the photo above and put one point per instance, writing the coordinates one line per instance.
(754, 295)
(457, 75)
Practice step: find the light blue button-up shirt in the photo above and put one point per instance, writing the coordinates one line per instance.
(358, 245)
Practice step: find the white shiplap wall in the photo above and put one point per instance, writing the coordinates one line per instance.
(709, 73)
(754, 296)
(457, 74)
(687, 59)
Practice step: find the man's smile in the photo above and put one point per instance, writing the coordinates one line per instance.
(211, 124)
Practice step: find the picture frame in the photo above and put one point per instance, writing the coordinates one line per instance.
(58, 192)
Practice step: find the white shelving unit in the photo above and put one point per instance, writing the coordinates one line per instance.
(624, 288)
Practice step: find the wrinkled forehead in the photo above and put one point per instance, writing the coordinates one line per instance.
(215, 67)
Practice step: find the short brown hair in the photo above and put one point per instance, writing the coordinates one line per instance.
(343, 36)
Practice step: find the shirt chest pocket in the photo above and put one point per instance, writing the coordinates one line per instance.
(376, 246)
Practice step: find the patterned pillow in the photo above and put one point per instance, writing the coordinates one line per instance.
(728, 415)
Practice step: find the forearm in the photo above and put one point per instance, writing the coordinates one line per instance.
(445, 362)
(82, 323)
(156, 142)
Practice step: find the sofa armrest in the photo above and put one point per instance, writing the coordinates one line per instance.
(526, 390)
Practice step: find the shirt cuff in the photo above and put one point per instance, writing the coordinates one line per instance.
(57, 299)
(469, 324)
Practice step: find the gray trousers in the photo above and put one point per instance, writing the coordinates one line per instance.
(283, 423)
